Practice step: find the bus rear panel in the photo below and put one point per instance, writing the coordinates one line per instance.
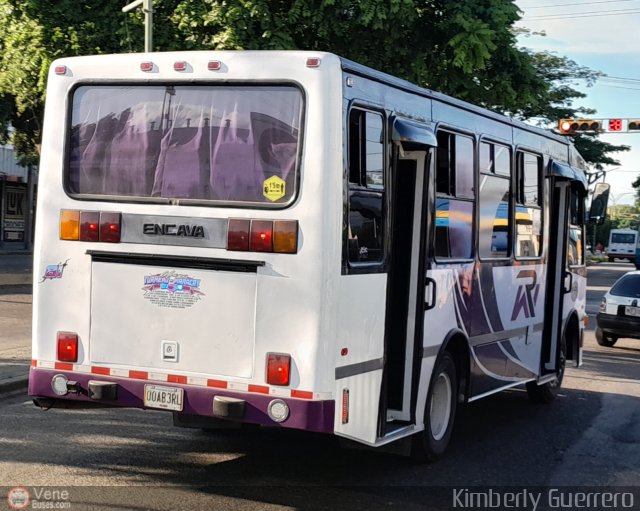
(173, 249)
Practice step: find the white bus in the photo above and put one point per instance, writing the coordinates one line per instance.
(622, 244)
(295, 240)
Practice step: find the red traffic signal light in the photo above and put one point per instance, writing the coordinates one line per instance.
(567, 126)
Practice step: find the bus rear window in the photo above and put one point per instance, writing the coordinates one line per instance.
(196, 142)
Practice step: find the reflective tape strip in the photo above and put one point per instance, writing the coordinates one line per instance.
(182, 380)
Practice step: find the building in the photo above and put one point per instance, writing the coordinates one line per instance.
(14, 201)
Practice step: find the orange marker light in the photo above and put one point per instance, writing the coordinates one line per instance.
(69, 224)
(285, 236)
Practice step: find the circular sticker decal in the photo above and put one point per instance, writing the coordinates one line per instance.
(18, 498)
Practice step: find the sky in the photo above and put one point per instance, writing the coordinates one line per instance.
(603, 35)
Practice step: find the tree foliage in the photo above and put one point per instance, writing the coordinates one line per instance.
(467, 48)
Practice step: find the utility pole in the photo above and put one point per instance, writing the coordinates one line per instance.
(147, 8)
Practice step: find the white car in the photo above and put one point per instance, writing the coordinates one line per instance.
(619, 314)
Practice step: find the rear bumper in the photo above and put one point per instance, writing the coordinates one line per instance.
(305, 414)
(619, 326)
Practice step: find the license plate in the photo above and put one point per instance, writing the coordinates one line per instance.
(165, 398)
(632, 311)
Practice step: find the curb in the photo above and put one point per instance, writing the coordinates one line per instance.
(13, 384)
(13, 279)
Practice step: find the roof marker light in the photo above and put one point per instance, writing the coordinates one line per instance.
(313, 62)
(146, 66)
(60, 70)
(180, 65)
(214, 65)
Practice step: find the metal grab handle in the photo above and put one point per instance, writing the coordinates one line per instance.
(430, 304)
(564, 287)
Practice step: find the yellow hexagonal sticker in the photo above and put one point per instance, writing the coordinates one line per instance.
(274, 188)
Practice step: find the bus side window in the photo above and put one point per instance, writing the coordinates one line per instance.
(455, 197)
(366, 186)
(495, 217)
(528, 205)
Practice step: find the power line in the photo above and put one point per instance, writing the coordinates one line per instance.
(588, 14)
(576, 3)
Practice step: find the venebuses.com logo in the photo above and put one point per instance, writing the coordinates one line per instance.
(18, 498)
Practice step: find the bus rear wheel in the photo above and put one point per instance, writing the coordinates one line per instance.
(439, 413)
(547, 392)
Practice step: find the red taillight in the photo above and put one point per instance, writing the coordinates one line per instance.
(278, 368)
(280, 236)
(238, 234)
(110, 227)
(261, 239)
(214, 65)
(61, 70)
(67, 347)
(313, 62)
(89, 226)
(146, 66)
(181, 65)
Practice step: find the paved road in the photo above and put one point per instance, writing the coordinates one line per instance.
(589, 436)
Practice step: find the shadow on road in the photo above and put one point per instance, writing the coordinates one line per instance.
(16, 290)
(502, 440)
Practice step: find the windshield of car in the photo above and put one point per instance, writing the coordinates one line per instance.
(629, 285)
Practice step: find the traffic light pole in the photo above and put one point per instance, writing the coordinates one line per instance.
(147, 8)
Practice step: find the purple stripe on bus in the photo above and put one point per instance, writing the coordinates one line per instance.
(304, 414)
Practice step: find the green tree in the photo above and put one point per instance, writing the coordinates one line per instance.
(467, 48)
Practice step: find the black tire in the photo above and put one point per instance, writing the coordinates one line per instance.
(611, 259)
(430, 444)
(604, 339)
(547, 392)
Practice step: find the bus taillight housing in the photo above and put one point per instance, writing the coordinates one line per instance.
(278, 368)
(67, 347)
(277, 236)
(90, 226)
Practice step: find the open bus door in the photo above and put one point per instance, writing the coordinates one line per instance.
(413, 152)
(564, 183)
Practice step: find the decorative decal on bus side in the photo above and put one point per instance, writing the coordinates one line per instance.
(172, 290)
(527, 295)
(274, 188)
(54, 271)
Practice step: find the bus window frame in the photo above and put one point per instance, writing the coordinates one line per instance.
(350, 189)
(511, 205)
(442, 127)
(542, 193)
(126, 199)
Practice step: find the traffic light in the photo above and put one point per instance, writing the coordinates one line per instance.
(567, 126)
(633, 125)
(615, 125)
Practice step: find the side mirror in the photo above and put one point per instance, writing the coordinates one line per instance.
(599, 203)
